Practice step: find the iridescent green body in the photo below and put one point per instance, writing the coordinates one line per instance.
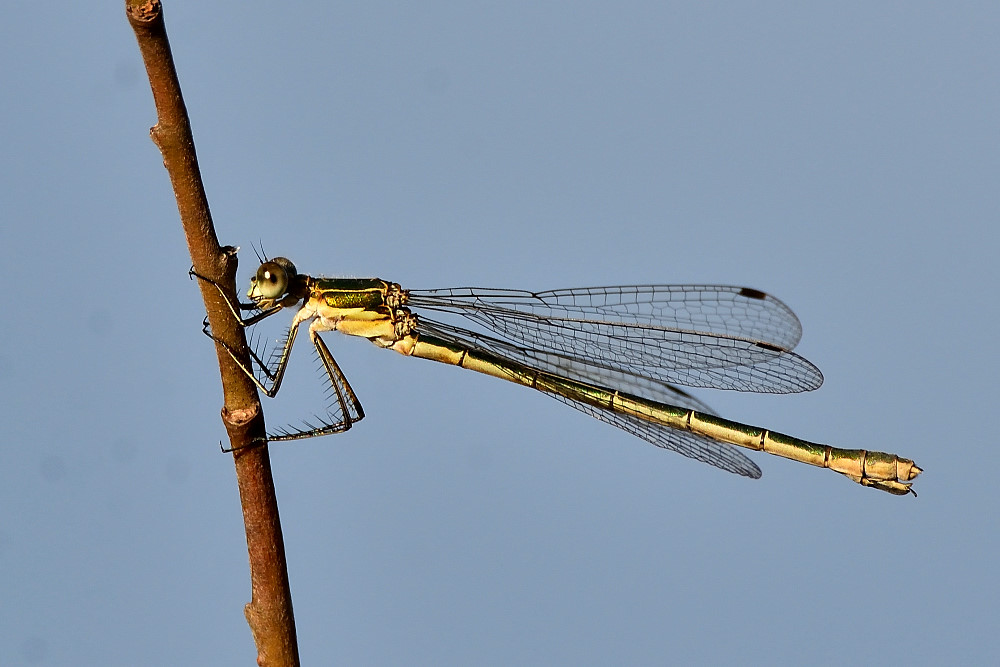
(366, 293)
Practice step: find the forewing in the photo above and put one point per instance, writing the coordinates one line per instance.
(695, 335)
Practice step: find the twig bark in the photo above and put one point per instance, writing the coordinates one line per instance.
(269, 612)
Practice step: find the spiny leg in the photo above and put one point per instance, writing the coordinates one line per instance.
(275, 376)
(344, 408)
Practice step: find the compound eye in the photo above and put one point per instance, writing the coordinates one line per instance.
(271, 281)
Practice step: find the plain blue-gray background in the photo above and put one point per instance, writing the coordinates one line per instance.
(843, 156)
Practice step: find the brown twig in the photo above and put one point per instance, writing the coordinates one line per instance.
(269, 612)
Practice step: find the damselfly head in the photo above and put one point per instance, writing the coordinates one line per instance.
(272, 280)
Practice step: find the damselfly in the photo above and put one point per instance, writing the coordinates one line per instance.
(615, 353)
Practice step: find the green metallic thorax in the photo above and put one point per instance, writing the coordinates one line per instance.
(365, 293)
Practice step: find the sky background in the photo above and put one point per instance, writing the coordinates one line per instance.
(842, 156)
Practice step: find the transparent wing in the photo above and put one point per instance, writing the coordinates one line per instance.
(706, 450)
(712, 336)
